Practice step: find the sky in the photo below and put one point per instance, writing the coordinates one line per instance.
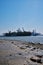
(16, 14)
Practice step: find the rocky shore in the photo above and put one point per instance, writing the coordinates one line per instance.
(20, 53)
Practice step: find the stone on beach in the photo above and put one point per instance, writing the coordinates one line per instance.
(35, 59)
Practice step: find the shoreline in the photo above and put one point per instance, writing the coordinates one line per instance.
(38, 45)
(15, 52)
(33, 39)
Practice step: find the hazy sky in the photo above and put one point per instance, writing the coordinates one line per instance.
(16, 14)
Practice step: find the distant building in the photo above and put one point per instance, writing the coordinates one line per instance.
(19, 30)
(34, 32)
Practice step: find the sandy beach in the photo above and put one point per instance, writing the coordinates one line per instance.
(20, 53)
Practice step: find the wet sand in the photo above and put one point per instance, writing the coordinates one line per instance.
(20, 53)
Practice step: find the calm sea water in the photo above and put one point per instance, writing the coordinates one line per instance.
(36, 39)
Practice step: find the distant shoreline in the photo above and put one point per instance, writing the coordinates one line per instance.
(29, 39)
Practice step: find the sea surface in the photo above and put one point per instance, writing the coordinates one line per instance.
(34, 39)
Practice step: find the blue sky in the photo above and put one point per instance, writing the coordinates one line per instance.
(16, 14)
